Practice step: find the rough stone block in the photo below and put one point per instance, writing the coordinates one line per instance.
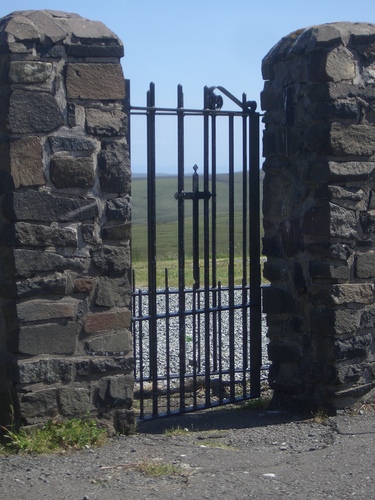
(114, 319)
(334, 322)
(87, 32)
(26, 165)
(72, 172)
(278, 301)
(365, 266)
(105, 123)
(29, 71)
(28, 263)
(276, 271)
(119, 208)
(112, 260)
(125, 422)
(282, 328)
(74, 401)
(350, 171)
(324, 172)
(286, 377)
(80, 50)
(95, 81)
(344, 398)
(40, 403)
(355, 140)
(116, 391)
(49, 24)
(114, 292)
(340, 65)
(114, 166)
(352, 348)
(47, 338)
(36, 235)
(48, 285)
(105, 365)
(84, 285)
(340, 294)
(76, 115)
(93, 366)
(31, 112)
(51, 51)
(22, 29)
(368, 318)
(82, 367)
(352, 198)
(110, 344)
(119, 232)
(329, 220)
(367, 221)
(335, 251)
(45, 371)
(42, 309)
(336, 111)
(20, 48)
(327, 272)
(91, 234)
(75, 142)
(47, 207)
(349, 374)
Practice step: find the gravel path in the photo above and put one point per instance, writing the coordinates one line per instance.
(224, 454)
(168, 332)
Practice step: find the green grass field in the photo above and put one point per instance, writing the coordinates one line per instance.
(167, 228)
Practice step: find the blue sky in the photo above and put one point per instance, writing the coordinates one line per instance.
(200, 42)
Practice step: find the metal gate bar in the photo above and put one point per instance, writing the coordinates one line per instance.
(206, 313)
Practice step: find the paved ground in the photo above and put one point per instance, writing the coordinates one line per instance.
(224, 453)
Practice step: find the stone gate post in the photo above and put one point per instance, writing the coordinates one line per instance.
(319, 214)
(65, 343)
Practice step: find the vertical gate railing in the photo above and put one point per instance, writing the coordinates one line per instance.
(200, 345)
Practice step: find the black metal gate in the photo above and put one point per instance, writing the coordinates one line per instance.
(197, 343)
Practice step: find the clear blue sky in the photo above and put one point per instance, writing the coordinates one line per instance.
(200, 42)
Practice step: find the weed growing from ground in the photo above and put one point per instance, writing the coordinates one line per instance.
(157, 469)
(73, 434)
(262, 403)
(320, 416)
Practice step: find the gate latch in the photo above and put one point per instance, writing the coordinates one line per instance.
(195, 194)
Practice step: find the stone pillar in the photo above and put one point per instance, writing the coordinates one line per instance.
(319, 214)
(65, 343)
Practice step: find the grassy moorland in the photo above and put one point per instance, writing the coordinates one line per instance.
(167, 228)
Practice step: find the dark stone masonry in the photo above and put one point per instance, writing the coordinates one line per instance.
(64, 222)
(319, 214)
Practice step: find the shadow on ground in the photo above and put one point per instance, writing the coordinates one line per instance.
(218, 419)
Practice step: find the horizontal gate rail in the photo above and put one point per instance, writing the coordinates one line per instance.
(200, 346)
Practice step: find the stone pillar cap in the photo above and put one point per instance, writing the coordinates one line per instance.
(49, 27)
(319, 37)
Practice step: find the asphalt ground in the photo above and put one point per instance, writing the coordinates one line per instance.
(221, 453)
